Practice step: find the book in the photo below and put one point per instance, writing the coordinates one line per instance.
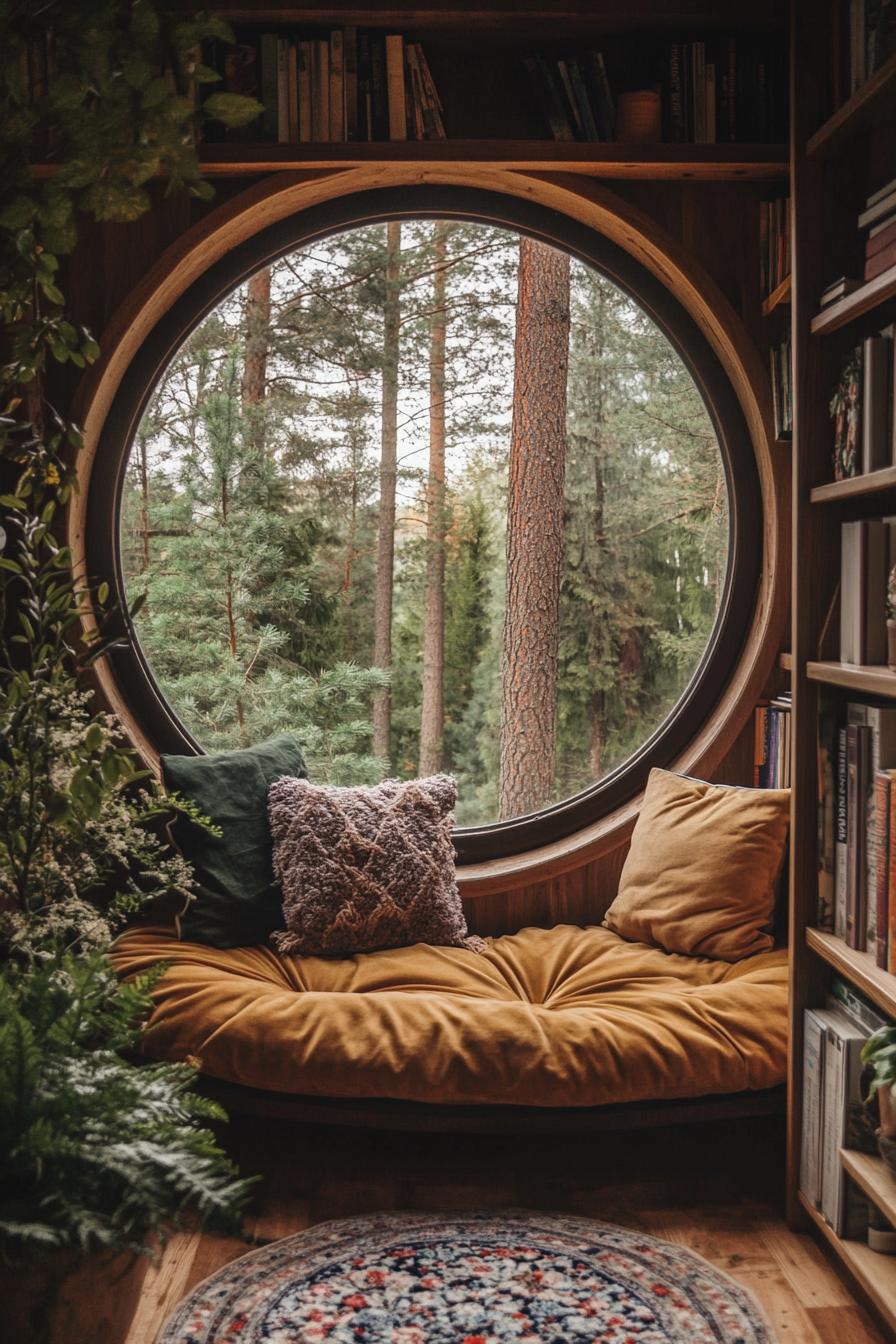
(851, 1001)
(292, 100)
(379, 95)
(841, 835)
(337, 88)
(883, 206)
(282, 90)
(827, 807)
(303, 81)
(856, 874)
(880, 262)
(882, 807)
(350, 69)
(813, 1102)
(268, 99)
(880, 236)
(863, 582)
(843, 1041)
(395, 90)
(320, 90)
(877, 359)
(548, 95)
(838, 289)
(881, 721)
(891, 886)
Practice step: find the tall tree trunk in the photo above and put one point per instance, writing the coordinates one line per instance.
(257, 340)
(143, 467)
(382, 612)
(535, 506)
(432, 707)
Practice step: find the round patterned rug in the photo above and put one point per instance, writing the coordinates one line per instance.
(509, 1278)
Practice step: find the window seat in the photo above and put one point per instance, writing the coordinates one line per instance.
(561, 1017)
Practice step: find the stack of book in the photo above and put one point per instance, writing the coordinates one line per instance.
(782, 387)
(712, 92)
(862, 407)
(774, 243)
(878, 222)
(833, 1111)
(863, 36)
(866, 557)
(574, 96)
(771, 744)
(351, 85)
(857, 830)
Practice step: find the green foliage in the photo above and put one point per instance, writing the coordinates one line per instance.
(645, 527)
(97, 1151)
(879, 1051)
(100, 1152)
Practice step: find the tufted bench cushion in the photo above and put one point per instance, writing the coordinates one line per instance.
(544, 1017)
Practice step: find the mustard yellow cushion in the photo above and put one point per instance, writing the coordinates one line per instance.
(545, 1017)
(701, 873)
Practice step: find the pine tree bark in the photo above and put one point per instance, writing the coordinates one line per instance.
(432, 707)
(535, 512)
(382, 614)
(257, 342)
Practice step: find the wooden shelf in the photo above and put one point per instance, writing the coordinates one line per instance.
(856, 110)
(859, 967)
(875, 1273)
(785, 662)
(872, 680)
(872, 1174)
(871, 295)
(511, 14)
(661, 161)
(780, 294)
(869, 483)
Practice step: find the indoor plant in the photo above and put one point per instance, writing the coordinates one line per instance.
(879, 1053)
(101, 1152)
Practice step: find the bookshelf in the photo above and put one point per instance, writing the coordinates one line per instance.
(838, 158)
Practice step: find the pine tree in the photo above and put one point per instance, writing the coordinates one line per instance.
(535, 508)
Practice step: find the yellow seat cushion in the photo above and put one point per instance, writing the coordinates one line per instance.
(544, 1017)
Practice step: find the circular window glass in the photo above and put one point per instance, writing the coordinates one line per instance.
(435, 496)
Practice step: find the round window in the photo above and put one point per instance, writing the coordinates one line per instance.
(438, 492)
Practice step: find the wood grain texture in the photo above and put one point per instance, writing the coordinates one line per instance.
(726, 1211)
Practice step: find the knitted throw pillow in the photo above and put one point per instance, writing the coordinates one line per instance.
(366, 868)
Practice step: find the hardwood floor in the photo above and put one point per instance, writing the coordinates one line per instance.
(715, 1188)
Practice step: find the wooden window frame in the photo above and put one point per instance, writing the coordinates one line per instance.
(556, 822)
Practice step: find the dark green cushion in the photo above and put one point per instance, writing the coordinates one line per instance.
(238, 902)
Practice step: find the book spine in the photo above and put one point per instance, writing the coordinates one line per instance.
(841, 837)
(880, 262)
(433, 100)
(891, 886)
(855, 767)
(395, 91)
(876, 358)
(269, 84)
(292, 59)
(282, 90)
(350, 62)
(303, 80)
(813, 1083)
(832, 1110)
(676, 112)
(882, 868)
(379, 96)
(337, 87)
(827, 760)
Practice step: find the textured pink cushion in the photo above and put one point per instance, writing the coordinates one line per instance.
(366, 868)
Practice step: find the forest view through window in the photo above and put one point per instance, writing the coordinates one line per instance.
(434, 496)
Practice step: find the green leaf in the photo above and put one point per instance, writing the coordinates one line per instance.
(233, 109)
(19, 212)
(102, 594)
(13, 502)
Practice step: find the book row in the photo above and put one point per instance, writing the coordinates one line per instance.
(863, 36)
(690, 92)
(774, 243)
(862, 407)
(771, 744)
(877, 221)
(857, 829)
(834, 1115)
(781, 362)
(349, 85)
